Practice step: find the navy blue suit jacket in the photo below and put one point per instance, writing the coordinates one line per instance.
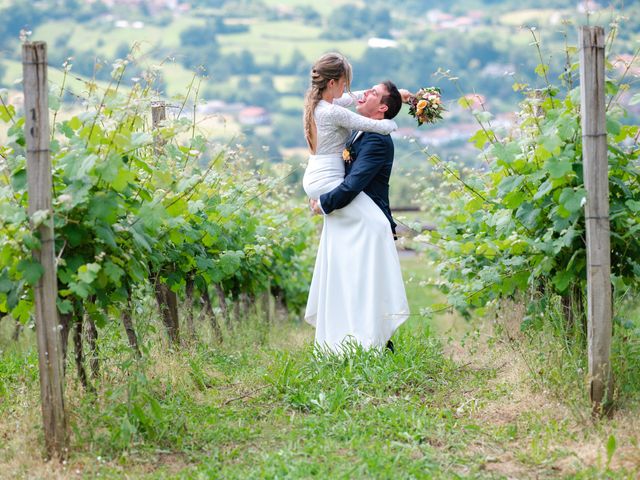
(368, 172)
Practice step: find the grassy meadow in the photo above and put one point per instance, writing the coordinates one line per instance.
(456, 400)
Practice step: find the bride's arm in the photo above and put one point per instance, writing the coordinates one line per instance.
(353, 121)
(349, 99)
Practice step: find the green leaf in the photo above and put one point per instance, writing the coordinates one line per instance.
(19, 179)
(229, 262)
(552, 143)
(611, 88)
(479, 139)
(141, 139)
(178, 207)
(562, 280)
(465, 102)
(31, 270)
(22, 311)
(64, 306)
(473, 205)
(105, 233)
(542, 70)
(152, 215)
(483, 117)
(506, 153)
(141, 239)
(74, 123)
(633, 205)
(54, 103)
(79, 288)
(544, 188)
(110, 167)
(572, 200)
(613, 126)
(566, 130)
(88, 272)
(509, 184)
(114, 272)
(7, 112)
(31, 242)
(39, 217)
(558, 167)
(528, 214)
(122, 180)
(5, 283)
(104, 207)
(514, 199)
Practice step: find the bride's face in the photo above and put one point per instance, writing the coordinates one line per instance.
(337, 87)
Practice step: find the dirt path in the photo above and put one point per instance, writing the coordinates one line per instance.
(530, 430)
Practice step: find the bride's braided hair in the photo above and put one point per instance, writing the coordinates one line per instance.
(331, 66)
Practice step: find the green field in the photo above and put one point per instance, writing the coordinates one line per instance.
(322, 7)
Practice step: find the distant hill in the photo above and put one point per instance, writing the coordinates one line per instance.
(253, 53)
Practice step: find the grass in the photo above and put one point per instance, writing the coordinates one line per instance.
(280, 39)
(265, 405)
(323, 7)
(103, 38)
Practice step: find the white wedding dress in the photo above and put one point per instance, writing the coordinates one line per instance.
(357, 292)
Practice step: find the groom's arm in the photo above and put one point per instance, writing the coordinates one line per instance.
(371, 158)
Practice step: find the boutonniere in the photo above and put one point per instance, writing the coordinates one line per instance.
(346, 155)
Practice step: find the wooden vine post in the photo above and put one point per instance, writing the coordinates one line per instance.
(594, 152)
(166, 298)
(37, 136)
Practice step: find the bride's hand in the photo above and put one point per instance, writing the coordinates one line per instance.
(314, 206)
(405, 94)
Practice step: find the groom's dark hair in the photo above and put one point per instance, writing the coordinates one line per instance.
(393, 100)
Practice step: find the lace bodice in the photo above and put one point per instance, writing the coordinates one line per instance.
(335, 123)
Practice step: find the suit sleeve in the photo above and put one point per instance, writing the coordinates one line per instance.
(371, 158)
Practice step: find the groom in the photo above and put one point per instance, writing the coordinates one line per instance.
(370, 156)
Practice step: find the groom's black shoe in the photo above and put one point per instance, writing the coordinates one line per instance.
(390, 346)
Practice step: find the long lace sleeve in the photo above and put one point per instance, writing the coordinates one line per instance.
(348, 99)
(353, 121)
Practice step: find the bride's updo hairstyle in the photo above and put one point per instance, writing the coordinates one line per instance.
(330, 66)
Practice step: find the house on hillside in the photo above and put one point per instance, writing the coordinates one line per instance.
(221, 107)
(154, 6)
(254, 116)
(437, 17)
(376, 42)
(446, 21)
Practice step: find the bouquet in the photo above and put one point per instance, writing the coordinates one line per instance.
(426, 105)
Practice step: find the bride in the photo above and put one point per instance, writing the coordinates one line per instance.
(357, 292)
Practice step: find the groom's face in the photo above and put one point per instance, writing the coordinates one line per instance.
(371, 104)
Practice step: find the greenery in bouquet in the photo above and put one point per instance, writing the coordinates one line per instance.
(426, 105)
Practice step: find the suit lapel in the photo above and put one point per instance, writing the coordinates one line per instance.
(352, 138)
